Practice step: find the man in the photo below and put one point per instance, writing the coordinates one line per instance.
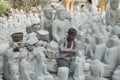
(67, 50)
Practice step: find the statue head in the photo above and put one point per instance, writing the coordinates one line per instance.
(88, 39)
(114, 4)
(63, 72)
(48, 11)
(113, 41)
(99, 38)
(61, 12)
(40, 56)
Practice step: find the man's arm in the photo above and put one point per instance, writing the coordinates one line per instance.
(65, 50)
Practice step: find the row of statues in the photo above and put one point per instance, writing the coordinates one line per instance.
(98, 43)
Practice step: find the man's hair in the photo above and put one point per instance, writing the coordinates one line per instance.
(90, 1)
(72, 31)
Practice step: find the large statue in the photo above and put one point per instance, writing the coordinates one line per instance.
(46, 22)
(111, 56)
(60, 25)
(112, 15)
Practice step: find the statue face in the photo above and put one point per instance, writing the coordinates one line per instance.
(61, 15)
(48, 14)
(114, 4)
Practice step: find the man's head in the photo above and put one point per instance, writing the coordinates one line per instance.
(71, 34)
(89, 1)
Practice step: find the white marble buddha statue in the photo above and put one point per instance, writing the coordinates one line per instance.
(25, 71)
(112, 14)
(14, 71)
(88, 47)
(80, 64)
(60, 25)
(63, 73)
(40, 67)
(100, 47)
(96, 71)
(111, 56)
(76, 18)
(46, 20)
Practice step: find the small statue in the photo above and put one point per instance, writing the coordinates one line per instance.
(14, 71)
(63, 73)
(24, 71)
(80, 64)
(96, 71)
(40, 67)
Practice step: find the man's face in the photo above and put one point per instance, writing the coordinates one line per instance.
(71, 37)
